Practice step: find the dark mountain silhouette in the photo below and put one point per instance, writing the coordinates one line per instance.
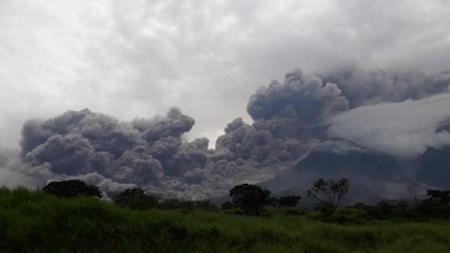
(434, 168)
(372, 175)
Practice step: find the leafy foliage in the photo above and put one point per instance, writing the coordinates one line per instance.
(329, 192)
(38, 222)
(286, 201)
(185, 204)
(135, 198)
(71, 188)
(227, 205)
(441, 196)
(251, 199)
(436, 205)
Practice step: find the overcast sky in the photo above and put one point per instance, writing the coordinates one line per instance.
(138, 58)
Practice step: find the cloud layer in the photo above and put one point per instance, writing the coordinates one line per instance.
(128, 58)
(376, 73)
(292, 119)
(404, 129)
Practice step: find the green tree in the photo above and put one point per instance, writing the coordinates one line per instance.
(227, 205)
(135, 198)
(329, 192)
(250, 199)
(71, 188)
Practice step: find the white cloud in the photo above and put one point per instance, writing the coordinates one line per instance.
(137, 58)
(404, 129)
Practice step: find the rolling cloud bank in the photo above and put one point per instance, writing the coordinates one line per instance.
(380, 129)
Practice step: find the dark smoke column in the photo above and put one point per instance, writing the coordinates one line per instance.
(140, 152)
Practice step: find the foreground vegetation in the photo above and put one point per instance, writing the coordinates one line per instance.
(38, 222)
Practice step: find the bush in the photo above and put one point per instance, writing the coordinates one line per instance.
(71, 188)
(295, 212)
(185, 204)
(250, 199)
(386, 209)
(287, 201)
(227, 205)
(325, 208)
(38, 222)
(135, 198)
(329, 192)
(436, 209)
(346, 216)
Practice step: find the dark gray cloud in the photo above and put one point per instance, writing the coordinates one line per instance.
(81, 142)
(363, 87)
(292, 121)
(113, 154)
(67, 154)
(286, 117)
(136, 166)
(174, 124)
(386, 120)
(305, 98)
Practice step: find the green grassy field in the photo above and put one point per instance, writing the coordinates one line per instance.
(36, 222)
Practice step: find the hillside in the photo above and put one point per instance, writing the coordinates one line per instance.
(373, 176)
(36, 222)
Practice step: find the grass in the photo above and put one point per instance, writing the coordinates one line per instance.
(37, 222)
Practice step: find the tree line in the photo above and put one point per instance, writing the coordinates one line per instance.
(253, 200)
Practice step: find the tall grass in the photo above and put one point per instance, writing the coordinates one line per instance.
(37, 222)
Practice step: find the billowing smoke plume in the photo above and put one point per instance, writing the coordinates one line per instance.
(300, 97)
(362, 87)
(287, 117)
(81, 142)
(291, 120)
(374, 110)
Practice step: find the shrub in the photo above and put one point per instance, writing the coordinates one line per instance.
(250, 199)
(71, 188)
(437, 204)
(346, 216)
(227, 205)
(135, 198)
(185, 204)
(329, 192)
(287, 201)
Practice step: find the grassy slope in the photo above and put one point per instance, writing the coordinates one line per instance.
(36, 222)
